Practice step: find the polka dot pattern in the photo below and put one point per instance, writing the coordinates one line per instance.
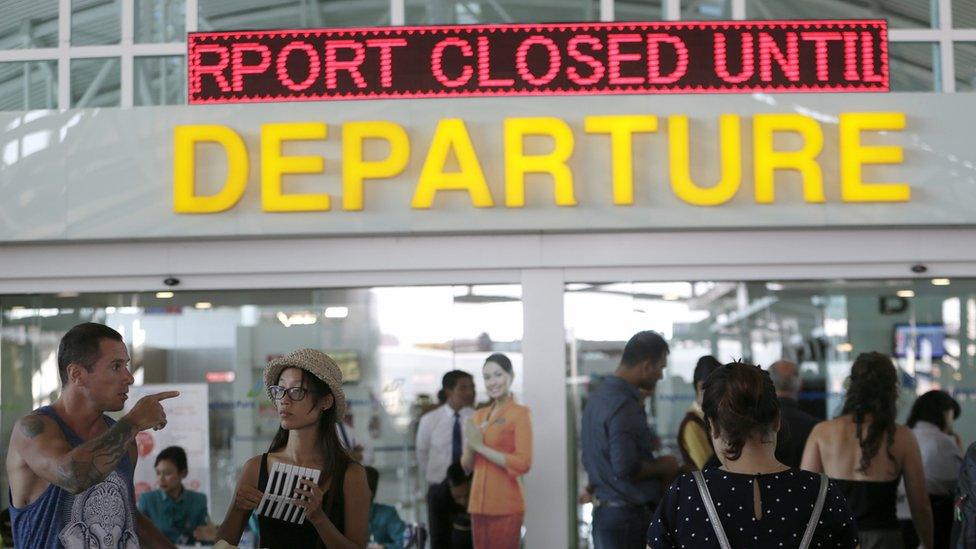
(787, 499)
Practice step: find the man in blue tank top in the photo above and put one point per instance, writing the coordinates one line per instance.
(70, 466)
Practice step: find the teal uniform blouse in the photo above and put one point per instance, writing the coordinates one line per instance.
(176, 519)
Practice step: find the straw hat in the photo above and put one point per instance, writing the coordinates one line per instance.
(316, 363)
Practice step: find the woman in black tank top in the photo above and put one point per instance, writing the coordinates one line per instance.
(869, 414)
(306, 387)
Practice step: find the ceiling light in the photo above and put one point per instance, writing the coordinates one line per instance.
(774, 286)
(336, 312)
(304, 318)
(164, 295)
(204, 305)
(905, 293)
(941, 282)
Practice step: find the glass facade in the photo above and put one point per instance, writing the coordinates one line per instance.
(95, 82)
(964, 54)
(28, 85)
(917, 62)
(159, 21)
(218, 15)
(639, 10)
(437, 12)
(392, 364)
(964, 14)
(821, 325)
(160, 80)
(96, 22)
(395, 343)
(29, 24)
(900, 15)
(915, 67)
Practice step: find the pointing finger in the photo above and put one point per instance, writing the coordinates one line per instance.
(165, 395)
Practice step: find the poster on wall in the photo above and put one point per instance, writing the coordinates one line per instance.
(186, 426)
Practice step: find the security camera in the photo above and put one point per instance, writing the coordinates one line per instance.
(171, 281)
(918, 268)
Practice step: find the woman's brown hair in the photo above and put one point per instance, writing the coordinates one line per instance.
(872, 398)
(739, 402)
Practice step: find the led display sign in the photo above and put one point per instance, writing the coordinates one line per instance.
(538, 59)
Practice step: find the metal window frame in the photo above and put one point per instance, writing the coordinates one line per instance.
(127, 50)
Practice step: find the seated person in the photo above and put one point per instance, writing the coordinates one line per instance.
(450, 499)
(180, 514)
(385, 527)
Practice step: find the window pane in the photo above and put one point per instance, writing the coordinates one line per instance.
(28, 85)
(160, 21)
(653, 10)
(95, 22)
(819, 325)
(392, 367)
(900, 14)
(291, 14)
(95, 83)
(159, 80)
(965, 58)
(964, 14)
(426, 12)
(29, 25)
(692, 10)
(914, 66)
(638, 10)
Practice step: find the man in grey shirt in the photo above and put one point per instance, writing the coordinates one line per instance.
(626, 476)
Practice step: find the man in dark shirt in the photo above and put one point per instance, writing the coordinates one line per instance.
(449, 499)
(626, 476)
(795, 424)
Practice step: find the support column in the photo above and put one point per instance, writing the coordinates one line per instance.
(547, 498)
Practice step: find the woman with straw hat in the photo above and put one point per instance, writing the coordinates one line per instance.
(306, 387)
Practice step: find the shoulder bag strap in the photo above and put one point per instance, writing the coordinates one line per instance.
(723, 541)
(815, 515)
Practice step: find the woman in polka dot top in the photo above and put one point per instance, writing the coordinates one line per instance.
(759, 501)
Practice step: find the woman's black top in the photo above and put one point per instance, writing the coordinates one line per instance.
(787, 501)
(276, 533)
(873, 502)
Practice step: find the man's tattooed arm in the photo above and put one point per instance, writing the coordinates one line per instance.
(31, 426)
(91, 462)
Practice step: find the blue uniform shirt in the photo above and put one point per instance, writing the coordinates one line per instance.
(616, 439)
(176, 519)
(385, 526)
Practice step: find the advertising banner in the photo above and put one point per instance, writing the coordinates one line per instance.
(186, 426)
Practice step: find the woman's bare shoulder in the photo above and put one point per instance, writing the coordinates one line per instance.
(355, 476)
(251, 469)
(830, 426)
(904, 437)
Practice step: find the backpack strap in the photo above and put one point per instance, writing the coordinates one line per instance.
(815, 515)
(723, 541)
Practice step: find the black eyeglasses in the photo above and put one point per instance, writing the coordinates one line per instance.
(294, 393)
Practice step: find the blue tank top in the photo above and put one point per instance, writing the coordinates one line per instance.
(101, 516)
